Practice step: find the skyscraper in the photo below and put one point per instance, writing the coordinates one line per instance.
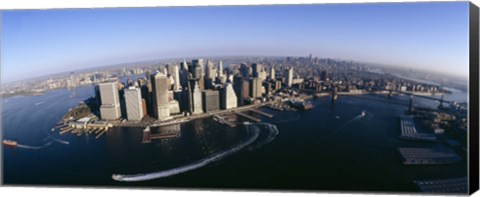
(210, 75)
(289, 77)
(134, 105)
(197, 71)
(110, 101)
(323, 75)
(184, 73)
(174, 72)
(255, 88)
(197, 100)
(211, 100)
(256, 69)
(272, 73)
(241, 88)
(211, 72)
(220, 69)
(160, 85)
(245, 70)
(229, 98)
(187, 101)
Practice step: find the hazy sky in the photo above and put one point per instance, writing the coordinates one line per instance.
(420, 35)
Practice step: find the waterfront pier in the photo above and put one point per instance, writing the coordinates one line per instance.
(222, 120)
(262, 113)
(248, 117)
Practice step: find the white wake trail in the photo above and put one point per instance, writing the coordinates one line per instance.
(60, 141)
(34, 147)
(252, 130)
(55, 139)
(273, 132)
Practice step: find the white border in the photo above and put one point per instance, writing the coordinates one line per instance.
(46, 4)
(73, 192)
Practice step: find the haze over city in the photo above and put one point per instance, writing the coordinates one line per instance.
(426, 36)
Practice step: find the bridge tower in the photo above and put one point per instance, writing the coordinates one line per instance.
(441, 103)
(410, 105)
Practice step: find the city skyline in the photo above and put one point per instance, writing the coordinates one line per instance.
(379, 33)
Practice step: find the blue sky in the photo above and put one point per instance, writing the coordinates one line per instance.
(421, 35)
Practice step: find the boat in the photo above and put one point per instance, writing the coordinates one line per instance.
(301, 104)
(362, 114)
(10, 143)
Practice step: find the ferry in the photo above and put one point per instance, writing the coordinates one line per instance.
(10, 143)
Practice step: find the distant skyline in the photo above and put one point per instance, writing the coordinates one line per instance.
(428, 36)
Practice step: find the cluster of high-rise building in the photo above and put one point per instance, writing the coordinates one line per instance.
(189, 88)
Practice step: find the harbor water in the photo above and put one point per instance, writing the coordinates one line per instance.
(330, 147)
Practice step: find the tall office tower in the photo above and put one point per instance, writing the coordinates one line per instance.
(262, 75)
(164, 70)
(246, 89)
(210, 75)
(210, 70)
(133, 102)
(268, 88)
(245, 70)
(238, 88)
(147, 96)
(229, 98)
(323, 75)
(278, 84)
(197, 100)
(198, 65)
(211, 100)
(160, 96)
(187, 101)
(272, 73)
(147, 74)
(255, 88)
(289, 77)
(256, 69)
(221, 77)
(110, 101)
(174, 72)
(220, 69)
(184, 73)
(198, 73)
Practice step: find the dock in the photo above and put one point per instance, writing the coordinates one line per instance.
(428, 156)
(262, 113)
(63, 130)
(248, 117)
(100, 134)
(455, 185)
(222, 120)
(162, 136)
(407, 127)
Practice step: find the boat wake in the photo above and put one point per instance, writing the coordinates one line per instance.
(356, 118)
(253, 132)
(60, 141)
(272, 133)
(56, 140)
(34, 147)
